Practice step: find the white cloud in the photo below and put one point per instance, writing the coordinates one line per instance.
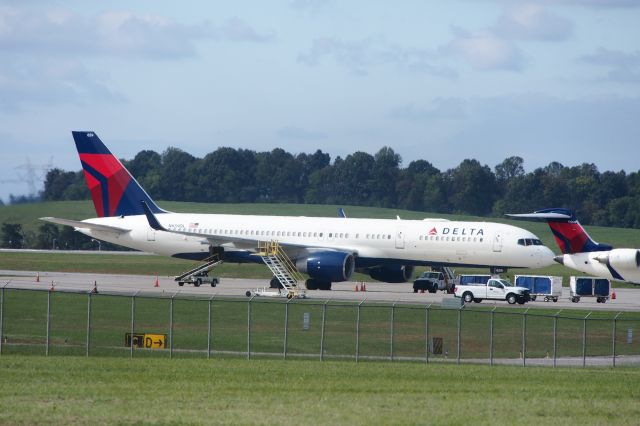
(532, 21)
(485, 51)
(622, 67)
(117, 33)
(360, 56)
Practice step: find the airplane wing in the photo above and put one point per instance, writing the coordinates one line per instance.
(86, 225)
(243, 241)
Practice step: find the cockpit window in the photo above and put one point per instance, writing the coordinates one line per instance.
(529, 242)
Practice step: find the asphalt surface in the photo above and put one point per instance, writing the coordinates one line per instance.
(626, 300)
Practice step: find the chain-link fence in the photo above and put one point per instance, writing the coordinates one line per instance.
(144, 325)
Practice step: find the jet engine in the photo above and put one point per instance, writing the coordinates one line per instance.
(330, 266)
(621, 259)
(392, 273)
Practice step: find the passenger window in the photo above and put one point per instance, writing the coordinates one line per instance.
(315, 234)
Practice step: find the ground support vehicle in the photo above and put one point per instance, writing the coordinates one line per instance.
(198, 279)
(600, 288)
(430, 281)
(549, 287)
(494, 289)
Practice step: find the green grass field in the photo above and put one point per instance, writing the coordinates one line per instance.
(25, 328)
(75, 390)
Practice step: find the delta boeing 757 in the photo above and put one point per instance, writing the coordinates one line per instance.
(327, 249)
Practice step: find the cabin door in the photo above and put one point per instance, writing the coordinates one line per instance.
(497, 243)
(399, 238)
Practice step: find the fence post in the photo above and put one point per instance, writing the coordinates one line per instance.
(286, 326)
(393, 307)
(524, 338)
(491, 335)
(459, 330)
(584, 340)
(46, 352)
(324, 316)
(88, 323)
(209, 329)
(249, 327)
(2, 317)
(358, 331)
(171, 326)
(133, 322)
(426, 333)
(555, 337)
(613, 343)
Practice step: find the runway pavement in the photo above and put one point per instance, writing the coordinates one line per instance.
(627, 299)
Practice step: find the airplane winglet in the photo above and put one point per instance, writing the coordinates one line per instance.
(151, 218)
(341, 213)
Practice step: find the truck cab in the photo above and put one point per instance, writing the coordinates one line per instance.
(494, 289)
(430, 281)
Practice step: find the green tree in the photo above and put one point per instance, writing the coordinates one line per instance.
(472, 188)
(384, 177)
(12, 235)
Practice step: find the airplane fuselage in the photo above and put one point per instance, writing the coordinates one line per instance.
(373, 241)
(604, 264)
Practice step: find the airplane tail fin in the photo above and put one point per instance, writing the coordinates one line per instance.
(567, 231)
(113, 190)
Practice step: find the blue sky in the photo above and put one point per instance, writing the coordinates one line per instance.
(554, 80)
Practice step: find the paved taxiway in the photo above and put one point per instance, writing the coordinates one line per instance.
(627, 299)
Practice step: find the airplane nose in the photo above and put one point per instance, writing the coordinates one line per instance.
(547, 257)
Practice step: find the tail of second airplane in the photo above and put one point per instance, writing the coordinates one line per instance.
(113, 190)
(567, 231)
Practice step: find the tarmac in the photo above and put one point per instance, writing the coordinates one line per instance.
(627, 299)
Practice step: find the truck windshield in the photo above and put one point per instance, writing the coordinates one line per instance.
(430, 275)
(505, 283)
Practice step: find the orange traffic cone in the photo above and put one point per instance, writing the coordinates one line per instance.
(53, 288)
(38, 277)
(357, 289)
(364, 287)
(95, 287)
(156, 281)
(613, 295)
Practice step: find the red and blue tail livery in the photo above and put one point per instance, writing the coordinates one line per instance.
(567, 231)
(113, 190)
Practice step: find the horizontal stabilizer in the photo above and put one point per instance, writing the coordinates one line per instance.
(541, 216)
(85, 225)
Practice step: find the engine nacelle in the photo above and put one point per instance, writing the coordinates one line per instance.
(331, 266)
(392, 274)
(624, 259)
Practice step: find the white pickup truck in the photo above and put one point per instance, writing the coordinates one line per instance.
(496, 289)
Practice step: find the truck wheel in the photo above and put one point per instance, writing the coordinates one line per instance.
(415, 290)
(546, 298)
(214, 282)
(248, 293)
(180, 283)
(521, 301)
(533, 298)
(511, 298)
(197, 283)
(555, 299)
(468, 297)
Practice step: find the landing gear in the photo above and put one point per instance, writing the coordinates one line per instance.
(275, 283)
(313, 284)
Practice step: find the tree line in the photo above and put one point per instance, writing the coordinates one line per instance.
(229, 175)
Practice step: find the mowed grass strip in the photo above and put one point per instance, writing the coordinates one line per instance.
(65, 390)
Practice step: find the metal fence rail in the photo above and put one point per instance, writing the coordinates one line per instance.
(96, 324)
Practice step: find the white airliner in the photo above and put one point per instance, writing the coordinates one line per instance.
(327, 249)
(581, 253)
